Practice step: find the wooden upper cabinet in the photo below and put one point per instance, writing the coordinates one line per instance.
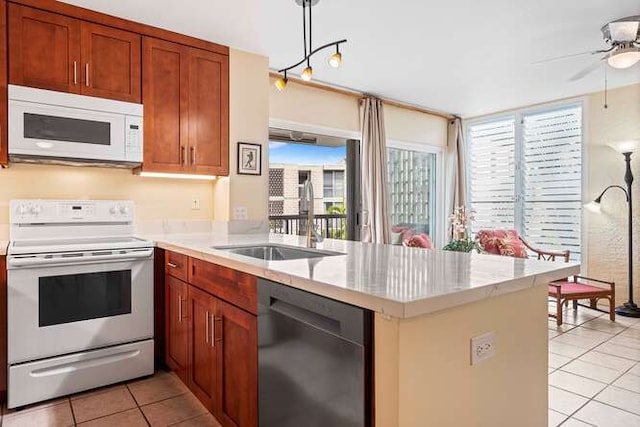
(55, 52)
(208, 112)
(165, 100)
(4, 144)
(44, 49)
(237, 366)
(185, 92)
(111, 65)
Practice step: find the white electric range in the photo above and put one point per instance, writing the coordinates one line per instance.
(80, 298)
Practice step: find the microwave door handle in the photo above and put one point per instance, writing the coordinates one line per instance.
(28, 262)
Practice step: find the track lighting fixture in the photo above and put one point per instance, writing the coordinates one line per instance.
(334, 60)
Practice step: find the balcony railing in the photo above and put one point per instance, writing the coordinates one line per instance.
(332, 226)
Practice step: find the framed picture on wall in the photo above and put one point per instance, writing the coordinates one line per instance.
(249, 159)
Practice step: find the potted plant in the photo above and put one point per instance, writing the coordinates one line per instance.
(460, 223)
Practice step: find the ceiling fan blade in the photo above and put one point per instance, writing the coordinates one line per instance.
(587, 70)
(573, 55)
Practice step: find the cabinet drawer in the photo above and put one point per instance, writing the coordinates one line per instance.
(227, 284)
(176, 265)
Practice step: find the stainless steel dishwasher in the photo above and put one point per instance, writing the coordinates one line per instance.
(314, 360)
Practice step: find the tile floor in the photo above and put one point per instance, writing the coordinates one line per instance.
(160, 400)
(594, 370)
(594, 380)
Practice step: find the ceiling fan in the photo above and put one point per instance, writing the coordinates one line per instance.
(623, 39)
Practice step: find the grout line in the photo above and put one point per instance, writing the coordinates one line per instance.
(73, 414)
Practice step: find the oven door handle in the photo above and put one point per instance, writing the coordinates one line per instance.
(84, 259)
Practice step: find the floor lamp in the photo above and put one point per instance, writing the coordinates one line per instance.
(626, 148)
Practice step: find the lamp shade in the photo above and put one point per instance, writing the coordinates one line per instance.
(625, 146)
(624, 58)
(593, 206)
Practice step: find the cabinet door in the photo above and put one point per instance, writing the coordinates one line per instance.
(176, 325)
(44, 49)
(4, 145)
(237, 366)
(203, 358)
(208, 112)
(165, 98)
(111, 65)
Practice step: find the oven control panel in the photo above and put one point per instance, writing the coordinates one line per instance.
(70, 211)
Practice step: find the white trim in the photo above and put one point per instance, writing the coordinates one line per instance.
(321, 130)
(439, 223)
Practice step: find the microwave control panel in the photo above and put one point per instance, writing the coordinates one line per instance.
(133, 138)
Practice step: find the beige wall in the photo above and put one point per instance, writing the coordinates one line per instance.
(310, 106)
(324, 109)
(155, 198)
(248, 122)
(607, 231)
(424, 377)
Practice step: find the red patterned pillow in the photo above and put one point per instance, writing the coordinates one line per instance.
(512, 247)
(420, 241)
(489, 239)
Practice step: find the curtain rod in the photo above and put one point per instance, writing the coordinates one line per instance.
(361, 96)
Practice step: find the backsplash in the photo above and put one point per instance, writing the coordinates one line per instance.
(155, 199)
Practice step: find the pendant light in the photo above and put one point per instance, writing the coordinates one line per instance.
(335, 60)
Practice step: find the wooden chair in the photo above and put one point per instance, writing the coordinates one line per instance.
(565, 290)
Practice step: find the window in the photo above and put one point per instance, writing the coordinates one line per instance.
(412, 171)
(525, 172)
(333, 183)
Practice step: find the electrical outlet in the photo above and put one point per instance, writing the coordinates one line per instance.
(195, 204)
(240, 213)
(483, 347)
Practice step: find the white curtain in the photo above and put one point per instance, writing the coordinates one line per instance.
(375, 214)
(456, 191)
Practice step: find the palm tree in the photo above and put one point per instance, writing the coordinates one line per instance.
(340, 233)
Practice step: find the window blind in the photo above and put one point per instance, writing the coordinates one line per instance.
(552, 179)
(525, 172)
(492, 174)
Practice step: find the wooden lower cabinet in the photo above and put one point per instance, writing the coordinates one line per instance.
(203, 357)
(176, 326)
(238, 366)
(219, 359)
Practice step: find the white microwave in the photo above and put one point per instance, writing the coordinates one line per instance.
(47, 126)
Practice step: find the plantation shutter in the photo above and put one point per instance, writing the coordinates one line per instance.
(551, 203)
(492, 174)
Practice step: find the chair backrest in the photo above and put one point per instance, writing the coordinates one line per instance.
(508, 242)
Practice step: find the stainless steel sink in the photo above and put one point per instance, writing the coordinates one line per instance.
(272, 252)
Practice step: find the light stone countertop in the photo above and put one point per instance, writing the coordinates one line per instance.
(395, 280)
(4, 244)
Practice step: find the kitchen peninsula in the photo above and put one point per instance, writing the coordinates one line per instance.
(427, 305)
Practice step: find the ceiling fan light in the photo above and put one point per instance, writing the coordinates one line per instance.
(335, 60)
(281, 83)
(306, 74)
(624, 58)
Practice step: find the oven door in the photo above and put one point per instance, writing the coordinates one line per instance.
(64, 308)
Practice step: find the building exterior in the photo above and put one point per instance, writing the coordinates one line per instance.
(285, 186)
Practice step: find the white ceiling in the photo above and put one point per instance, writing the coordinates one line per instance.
(467, 57)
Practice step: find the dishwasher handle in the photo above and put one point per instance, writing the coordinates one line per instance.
(309, 318)
(337, 318)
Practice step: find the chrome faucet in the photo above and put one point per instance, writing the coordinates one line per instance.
(306, 208)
